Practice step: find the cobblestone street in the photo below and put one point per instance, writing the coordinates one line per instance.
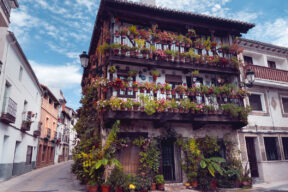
(56, 178)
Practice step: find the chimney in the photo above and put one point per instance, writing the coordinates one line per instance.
(148, 2)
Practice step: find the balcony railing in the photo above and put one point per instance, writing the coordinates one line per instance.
(9, 112)
(268, 73)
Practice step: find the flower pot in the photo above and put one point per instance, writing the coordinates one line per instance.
(161, 187)
(119, 189)
(142, 90)
(175, 110)
(213, 185)
(144, 55)
(155, 91)
(169, 110)
(155, 77)
(91, 188)
(194, 184)
(117, 34)
(135, 108)
(130, 88)
(162, 91)
(116, 51)
(123, 53)
(131, 36)
(105, 188)
(153, 186)
(135, 89)
(142, 109)
(182, 44)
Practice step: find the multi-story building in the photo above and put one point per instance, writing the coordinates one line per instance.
(162, 56)
(49, 120)
(20, 103)
(264, 141)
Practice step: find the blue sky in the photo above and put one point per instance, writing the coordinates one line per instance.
(53, 33)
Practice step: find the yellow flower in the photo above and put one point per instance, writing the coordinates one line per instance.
(131, 186)
(187, 184)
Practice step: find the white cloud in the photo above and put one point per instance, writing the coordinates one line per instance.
(275, 32)
(60, 76)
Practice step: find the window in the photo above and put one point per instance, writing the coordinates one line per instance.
(20, 73)
(285, 146)
(285, 104)
(51, 153)
(255, 102)
(272, 64)
(126, 93)
(248, 60)
(29, 155)
(271, 148)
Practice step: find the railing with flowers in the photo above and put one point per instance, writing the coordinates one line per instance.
(184, 106)
(160, 45)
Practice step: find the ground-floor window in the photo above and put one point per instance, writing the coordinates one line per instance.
(285, 146)
(29, 155)
(271, 148)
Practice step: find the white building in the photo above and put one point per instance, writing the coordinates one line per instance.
(72, 131)
(20, 103)
(264, 141)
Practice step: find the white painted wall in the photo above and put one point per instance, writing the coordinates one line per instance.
(26, 89)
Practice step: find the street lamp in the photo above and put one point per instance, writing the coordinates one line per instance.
(1, 64)
(84, 58)
(250, 78)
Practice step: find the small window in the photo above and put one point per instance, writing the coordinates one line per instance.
(255, 102)
(272, 64)
(285, 146)
(29, 155)
(20, 73)
(271, 148)
(285, 104)
(248, 60)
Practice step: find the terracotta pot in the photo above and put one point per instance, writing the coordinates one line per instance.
(105, 188)
(135, 108)
(213, 185)
(119, 189)
(92, 188)
(135, 89)
(194, 184)
(116, 51)
(123, 53)
(161, 187)
(153, 186)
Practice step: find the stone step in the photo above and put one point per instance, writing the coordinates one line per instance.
(175, 187)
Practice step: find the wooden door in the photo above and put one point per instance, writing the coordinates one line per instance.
(252, 156)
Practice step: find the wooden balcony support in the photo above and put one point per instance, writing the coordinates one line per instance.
(268, 73)
(197, 120)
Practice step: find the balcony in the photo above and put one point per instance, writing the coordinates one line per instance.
(268, 73)
(197, 119)
(9, 113)
(48, 136)
(173, 64)
(27, 121)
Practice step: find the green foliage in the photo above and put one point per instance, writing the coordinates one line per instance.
(212, 164)
(149, 159)
(112, 69)
(159, 179)
(118, 178)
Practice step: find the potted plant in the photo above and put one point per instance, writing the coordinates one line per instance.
(133, 52)
(112, 69)
(135, 86)
(104, 49)
(144, 52)
(92, 186)
(133, 32)
(136, 105)
(194, 75)
(155, 74)
(118, 179)
(188, 42)
(124, 49)
(168, 88)
(124, 32)
(160, 182)
(132, 73)
(174, 106)
(116, 48)
(169, 54)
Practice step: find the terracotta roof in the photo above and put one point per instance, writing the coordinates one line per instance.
(285, 49)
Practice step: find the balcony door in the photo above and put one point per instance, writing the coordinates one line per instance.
(252, 156)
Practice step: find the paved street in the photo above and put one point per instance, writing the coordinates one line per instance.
(56, 178)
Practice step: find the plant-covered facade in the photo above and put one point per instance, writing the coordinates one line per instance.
(172, 80)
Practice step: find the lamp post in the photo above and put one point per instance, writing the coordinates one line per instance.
(84, 58)
(249, 81)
